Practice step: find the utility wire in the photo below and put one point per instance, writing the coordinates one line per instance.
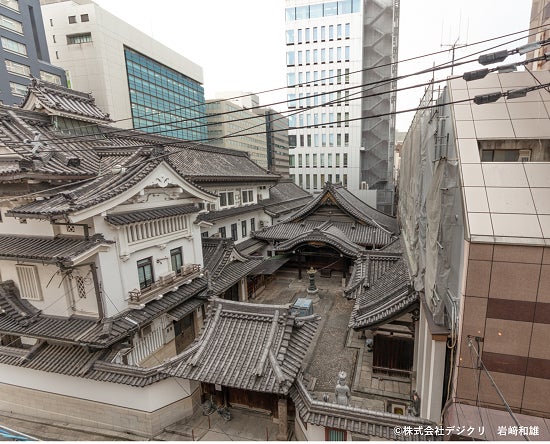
(493, 383)
(302, 110)
(353, 72)
(427, 70)
(74, 184)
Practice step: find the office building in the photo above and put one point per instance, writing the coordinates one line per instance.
(540, 19)
(234, 122)
(23, 52)
(276, 128)
(473, 203)
(331, 50)
(138, 81)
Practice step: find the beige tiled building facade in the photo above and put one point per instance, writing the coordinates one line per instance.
(475, 214)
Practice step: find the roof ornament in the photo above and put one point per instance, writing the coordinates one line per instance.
(36, 143)
(342, 392)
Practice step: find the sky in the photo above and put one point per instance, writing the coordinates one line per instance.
(240, 43)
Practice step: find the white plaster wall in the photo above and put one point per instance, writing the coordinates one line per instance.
(118, 277)
(257, 215)
(147, 399)
(55, 292)
(32, 227)
(99, 67)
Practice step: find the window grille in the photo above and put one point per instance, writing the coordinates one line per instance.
(29, 282)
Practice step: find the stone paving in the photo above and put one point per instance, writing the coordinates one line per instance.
(245, 425)
(336, 347)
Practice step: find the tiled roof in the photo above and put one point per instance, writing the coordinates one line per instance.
(205, 163)
(389, 296)
(286, 190)
(57, 99)
(325, 233)
(18, 318)
(352, 205)
(253, 347)
(212, 216)
(47, 249)
(19, 310)
(250, 245)
(278, 209)
(152, 214)
(91, 193)
(78, 361)
(114, 329)
(225, 264)
(19, 127)
(365, 235)
(270, 266)
(353, 419)
(91, 158)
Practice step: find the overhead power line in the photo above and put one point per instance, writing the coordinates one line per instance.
(373, 84)
(303, 84)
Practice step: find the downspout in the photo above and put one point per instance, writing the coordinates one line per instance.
(100, 309)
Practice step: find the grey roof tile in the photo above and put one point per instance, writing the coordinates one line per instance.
(390, 295)
(353, 419)
(47, 249)
(151, 214)
(367, 236)
(351, 205)
(234, 347)
(59, 99)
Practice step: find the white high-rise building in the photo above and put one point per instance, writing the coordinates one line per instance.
(140, 82)
(331, 50)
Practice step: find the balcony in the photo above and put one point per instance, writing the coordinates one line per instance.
(165, 283)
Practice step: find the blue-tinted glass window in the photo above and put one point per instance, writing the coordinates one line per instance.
(330, 8)
(289, 36)
(344, 7)
(302, 12)
(290, 58)
(291, 79)
(290, 14)
(356, 6)
(164, 101)
(316, 11)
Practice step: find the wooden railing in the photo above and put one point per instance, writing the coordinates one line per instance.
(156, 289)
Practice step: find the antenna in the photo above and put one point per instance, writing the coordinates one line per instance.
(452, 47)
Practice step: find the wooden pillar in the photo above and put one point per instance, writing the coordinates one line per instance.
(282, 435)
(299, 267)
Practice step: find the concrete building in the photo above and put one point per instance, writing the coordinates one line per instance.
(138, 81)
(103, 285)
(332, 48)
(24, 51)
(233, 124)
(276, 128)
(474, 194)
(540, 19)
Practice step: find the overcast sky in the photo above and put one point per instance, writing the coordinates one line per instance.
(240, 43)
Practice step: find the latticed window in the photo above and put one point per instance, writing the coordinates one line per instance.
(29, 282)
(80, 287)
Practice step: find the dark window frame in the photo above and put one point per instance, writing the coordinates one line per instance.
(144, 264)
(175, 254)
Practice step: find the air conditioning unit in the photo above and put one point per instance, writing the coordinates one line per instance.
(524, 156)
(263, 223)
(167, 278)
(364, 185)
